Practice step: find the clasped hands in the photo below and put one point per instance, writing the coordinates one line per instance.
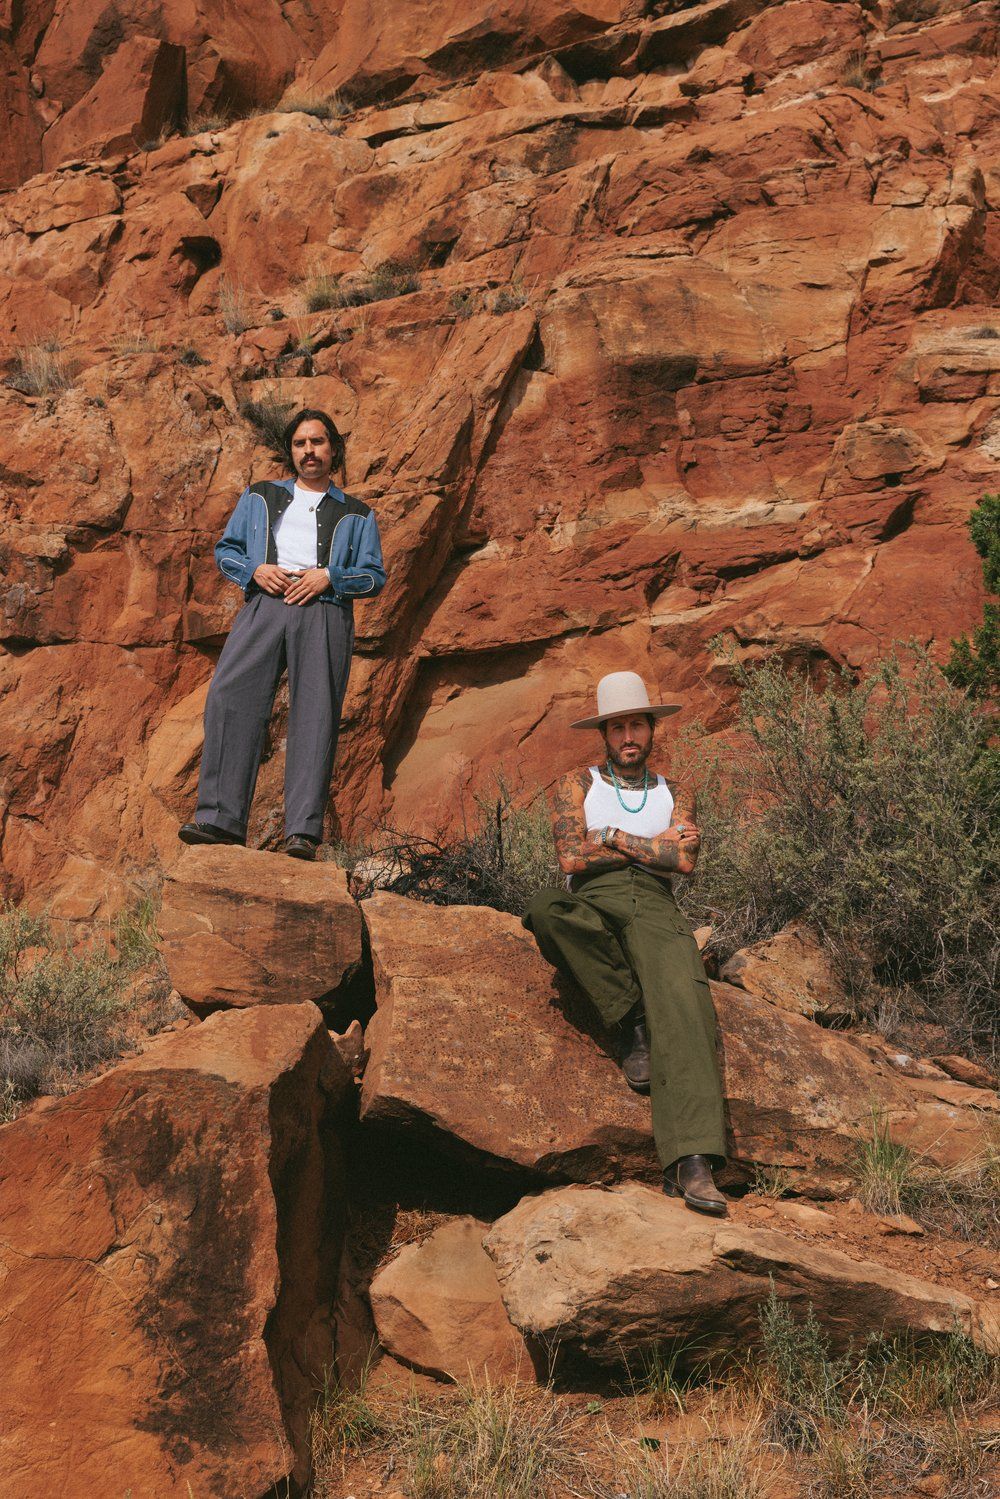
(295, 588)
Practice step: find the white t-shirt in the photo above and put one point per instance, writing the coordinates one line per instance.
(295, 533)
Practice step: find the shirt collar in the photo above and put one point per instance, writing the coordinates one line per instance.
(332, 492)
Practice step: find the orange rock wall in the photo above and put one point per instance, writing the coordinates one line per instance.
(742, 380)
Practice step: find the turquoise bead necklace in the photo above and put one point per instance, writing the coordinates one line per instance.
(618, 792)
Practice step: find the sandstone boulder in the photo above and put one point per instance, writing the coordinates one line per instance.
(243, 927)
(170, 1245)
(790, 970)
(607, 1274)
(476, 1044)
(437, 1308)
(471, 1045)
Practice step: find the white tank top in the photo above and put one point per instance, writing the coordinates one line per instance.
(603, 810)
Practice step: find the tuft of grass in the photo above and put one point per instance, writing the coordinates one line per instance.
(39, 368)
(462, 302)
(321, 106)
(858, 71)
(208, 119)
(962, 1201)
(387, 281)
(135, 935)
(508, 298)
(475, 1441)
(134, 340)
(883, 1170)
(322, 293)
(190, 357)
(268, 417)
(668, 1375)
(770, 1181)
(234, 306)
(344, 1422)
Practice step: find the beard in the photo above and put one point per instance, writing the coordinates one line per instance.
(634, 764)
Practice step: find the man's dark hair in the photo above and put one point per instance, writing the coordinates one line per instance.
(310, 415)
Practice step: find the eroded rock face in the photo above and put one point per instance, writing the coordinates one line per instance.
(170, 1245)
(437, 1308)
(704, 343)
(606, 1274)
(241, 927)
(477, 1045)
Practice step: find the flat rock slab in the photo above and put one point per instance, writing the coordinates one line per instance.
(606, 1274)
(437, 1307)
(243, 927)
(167, 1260)
(477, 1045)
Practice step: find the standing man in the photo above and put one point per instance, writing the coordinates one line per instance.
(302, 551)
(617, 930)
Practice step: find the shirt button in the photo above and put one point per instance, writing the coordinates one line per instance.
(311, 509)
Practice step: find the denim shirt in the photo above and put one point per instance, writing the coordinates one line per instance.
(353, 551)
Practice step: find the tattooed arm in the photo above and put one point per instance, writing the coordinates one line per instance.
(676, 850)
(576, 851)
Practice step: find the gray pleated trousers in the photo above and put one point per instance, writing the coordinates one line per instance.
(314, 641)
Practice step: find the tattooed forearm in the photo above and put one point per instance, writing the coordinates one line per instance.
(676, 850)
(576, 851)
(659, 853)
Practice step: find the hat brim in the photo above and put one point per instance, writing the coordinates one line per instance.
(662, 710)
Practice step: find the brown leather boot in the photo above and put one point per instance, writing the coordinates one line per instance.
(691, 1178)
(634, 1040)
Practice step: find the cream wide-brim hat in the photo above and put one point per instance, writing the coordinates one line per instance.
(624, 692)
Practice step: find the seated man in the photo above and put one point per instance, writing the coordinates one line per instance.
(618, 931)
(302, 551)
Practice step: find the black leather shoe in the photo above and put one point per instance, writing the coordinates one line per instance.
(691, 1178)
(207, 832)
(299, 846)
(635, 1050)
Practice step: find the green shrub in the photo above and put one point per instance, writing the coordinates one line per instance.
(60, 1013)
(870, 808)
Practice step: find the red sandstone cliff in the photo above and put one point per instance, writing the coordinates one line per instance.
(742, 376)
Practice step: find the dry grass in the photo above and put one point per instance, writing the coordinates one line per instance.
(475, 1441)
(40, 368)
(962, 1201)
(234, 306)
(391, 279)
(133, 339)
(321, 106)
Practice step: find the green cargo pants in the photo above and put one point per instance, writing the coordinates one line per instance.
(623, 938)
